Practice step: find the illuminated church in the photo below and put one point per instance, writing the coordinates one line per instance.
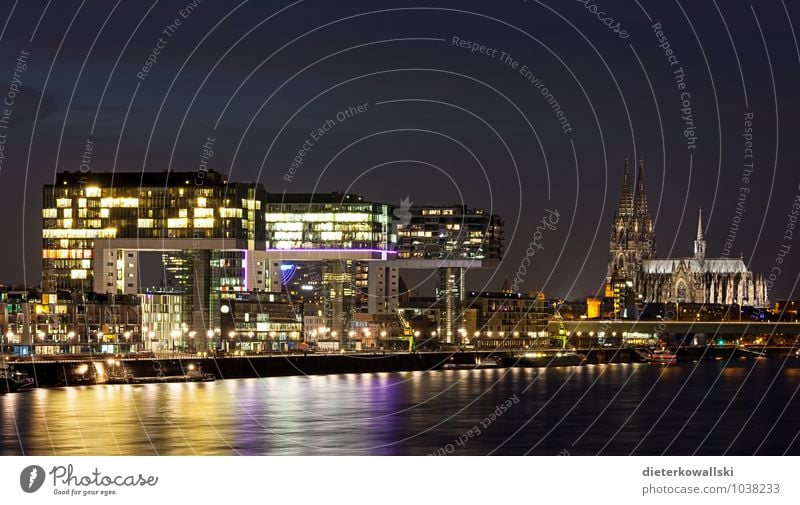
(634, 268)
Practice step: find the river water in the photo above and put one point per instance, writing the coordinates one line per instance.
(711, 408)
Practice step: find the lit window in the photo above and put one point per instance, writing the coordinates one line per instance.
(145, 223)
(79, 234)
(119, 202)
(201, 201)
(203, 213)
(180, 222)
(207, 222)
(78, 274)
(103, 212)
(49, 213)
(223, 212)
(92, 192)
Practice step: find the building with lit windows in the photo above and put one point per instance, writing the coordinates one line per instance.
(259, 322)
(69, 322)
(84, 214)
(219, 240)
(507, 320)
(449, 239)
(165, 323)
(326, 221)
(94, 225)
(450, 232)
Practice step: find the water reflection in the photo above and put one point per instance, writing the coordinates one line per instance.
(706, 408)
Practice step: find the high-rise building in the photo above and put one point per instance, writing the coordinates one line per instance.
(449, 239)
(449, 232)
(326, 221)
(84, 214)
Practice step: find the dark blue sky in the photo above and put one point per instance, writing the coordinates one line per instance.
(441, 124)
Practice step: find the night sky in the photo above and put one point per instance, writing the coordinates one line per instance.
(439, 123)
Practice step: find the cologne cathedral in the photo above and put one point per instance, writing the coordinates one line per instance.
(634, 268)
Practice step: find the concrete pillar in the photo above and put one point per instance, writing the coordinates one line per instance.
(383, 287)
(336, 306)
(200, 308)
(450, 295)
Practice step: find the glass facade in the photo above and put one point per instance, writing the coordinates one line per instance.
(326, 221)
(81, 208)
(450, 232)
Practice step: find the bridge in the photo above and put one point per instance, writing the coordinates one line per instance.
(623, 327)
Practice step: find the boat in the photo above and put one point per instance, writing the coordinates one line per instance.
(544, 359)
(191, 375)
(11, 380)
(480, 363)
(662, 356)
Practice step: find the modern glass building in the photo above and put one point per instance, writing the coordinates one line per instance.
(449, 239)
(326, 221)
(450, 232)
(79, 209)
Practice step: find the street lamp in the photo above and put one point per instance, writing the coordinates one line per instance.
(173, 335)
(9, 337)
(192, 334)
(231, 336)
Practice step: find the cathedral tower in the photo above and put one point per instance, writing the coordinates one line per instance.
(700, 242)
(632, 236)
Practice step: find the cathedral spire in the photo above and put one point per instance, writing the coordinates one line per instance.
(625, 208)
(700, 224)
(640, 197)
(700, 242)
(640, 175)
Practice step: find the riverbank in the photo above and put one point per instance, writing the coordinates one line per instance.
(97, 369)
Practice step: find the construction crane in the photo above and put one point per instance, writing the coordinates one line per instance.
(408, 332)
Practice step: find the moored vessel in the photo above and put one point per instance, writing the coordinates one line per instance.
(545, 359)
(11, 380)
(662, 356)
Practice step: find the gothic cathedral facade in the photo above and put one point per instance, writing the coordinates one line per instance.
(634, 269)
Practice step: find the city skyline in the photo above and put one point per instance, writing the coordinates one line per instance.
(196, 99)
(407, 227)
